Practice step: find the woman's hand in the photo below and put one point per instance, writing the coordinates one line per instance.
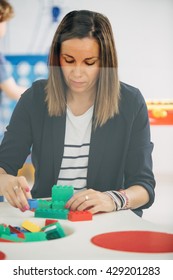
(91, 200)
(15, 190)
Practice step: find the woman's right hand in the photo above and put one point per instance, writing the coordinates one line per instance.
(15, 190)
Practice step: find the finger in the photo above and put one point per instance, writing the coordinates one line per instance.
(80, 196)
(88, 204)
(9, 200)
(76, 203)
(14, 196)
(95, 209)
(22, 182)
(25, 192)
(21, 199)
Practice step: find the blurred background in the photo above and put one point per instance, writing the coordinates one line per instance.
(144, 41)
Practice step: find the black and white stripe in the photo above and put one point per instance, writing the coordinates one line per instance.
(74, 164)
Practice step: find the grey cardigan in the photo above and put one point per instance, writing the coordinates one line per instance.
(120, 150)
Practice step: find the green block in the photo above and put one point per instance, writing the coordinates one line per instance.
(54, 231)
(12, 237)
(62, 193)
(51, 213)
(58, 205)
(4, 230)
(35, 236)
(44, 204)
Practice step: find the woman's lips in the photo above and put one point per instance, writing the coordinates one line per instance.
(77, 84)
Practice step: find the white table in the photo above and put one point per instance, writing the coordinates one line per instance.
(77, 244)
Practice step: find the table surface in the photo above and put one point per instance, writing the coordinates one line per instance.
(77, 245)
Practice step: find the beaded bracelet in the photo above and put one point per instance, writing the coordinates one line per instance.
(116, 200)
(120, 199)
(126, 206)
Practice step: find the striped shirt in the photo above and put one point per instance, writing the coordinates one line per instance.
(74, 164)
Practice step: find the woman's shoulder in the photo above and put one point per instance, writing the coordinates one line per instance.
(33, 99)
(129, 91)
(36, 91)
(131, 96)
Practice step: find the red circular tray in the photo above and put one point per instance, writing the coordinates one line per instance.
(135, 241)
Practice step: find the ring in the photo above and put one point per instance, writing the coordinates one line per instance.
(86, 197)
(15, 188)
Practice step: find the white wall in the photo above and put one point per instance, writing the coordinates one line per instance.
(144, 40)
(143, 35)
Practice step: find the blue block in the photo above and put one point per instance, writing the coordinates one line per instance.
(33, 203)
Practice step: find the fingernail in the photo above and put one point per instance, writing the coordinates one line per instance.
(67, 206)
(27, 189)
(26, 207)
(23, 210)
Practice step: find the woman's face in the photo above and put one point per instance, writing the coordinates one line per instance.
(79, 60)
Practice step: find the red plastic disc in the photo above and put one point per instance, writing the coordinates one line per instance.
(2, 256)
(135, 241)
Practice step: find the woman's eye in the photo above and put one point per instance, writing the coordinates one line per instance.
(69, 61)
(90, 63)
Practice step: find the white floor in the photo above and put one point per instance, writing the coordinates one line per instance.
(161, 211)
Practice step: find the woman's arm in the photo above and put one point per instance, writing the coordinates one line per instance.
(11, 89)
(15, 190)
(95, 201)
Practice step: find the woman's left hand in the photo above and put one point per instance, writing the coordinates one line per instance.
(91, 200)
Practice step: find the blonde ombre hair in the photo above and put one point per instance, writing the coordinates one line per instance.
(6, 11)
(81, 24)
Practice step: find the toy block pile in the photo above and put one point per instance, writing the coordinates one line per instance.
(55, 208)
(51, 210)
(31, 232)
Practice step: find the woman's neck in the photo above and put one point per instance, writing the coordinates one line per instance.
(79, 103)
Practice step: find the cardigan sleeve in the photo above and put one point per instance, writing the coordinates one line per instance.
(138, 168)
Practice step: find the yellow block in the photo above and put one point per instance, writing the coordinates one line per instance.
(30, 226)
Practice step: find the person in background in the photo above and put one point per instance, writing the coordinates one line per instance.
(85, 127)
(7, 82)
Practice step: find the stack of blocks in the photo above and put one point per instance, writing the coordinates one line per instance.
(55, 208)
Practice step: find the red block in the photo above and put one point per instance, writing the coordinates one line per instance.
(21, 235)
(79, 216)
(13, 229)
(5, 240)
(48, 222)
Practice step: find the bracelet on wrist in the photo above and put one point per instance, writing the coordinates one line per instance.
(120, 199)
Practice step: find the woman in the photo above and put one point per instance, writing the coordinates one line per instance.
(85, 128)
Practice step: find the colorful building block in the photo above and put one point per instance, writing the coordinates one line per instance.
(44, 204)
(52, 213)
(20, 229)
(11, 237)
(35, 236)
(14, 229)
(33, 203)
(58, 205)
(30, 226)
(79, 216)
(49, 222)
(5, 240)
(54, 231)
(62, 193)
(4, 230)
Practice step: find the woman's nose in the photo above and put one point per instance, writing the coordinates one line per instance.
(77, 71)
